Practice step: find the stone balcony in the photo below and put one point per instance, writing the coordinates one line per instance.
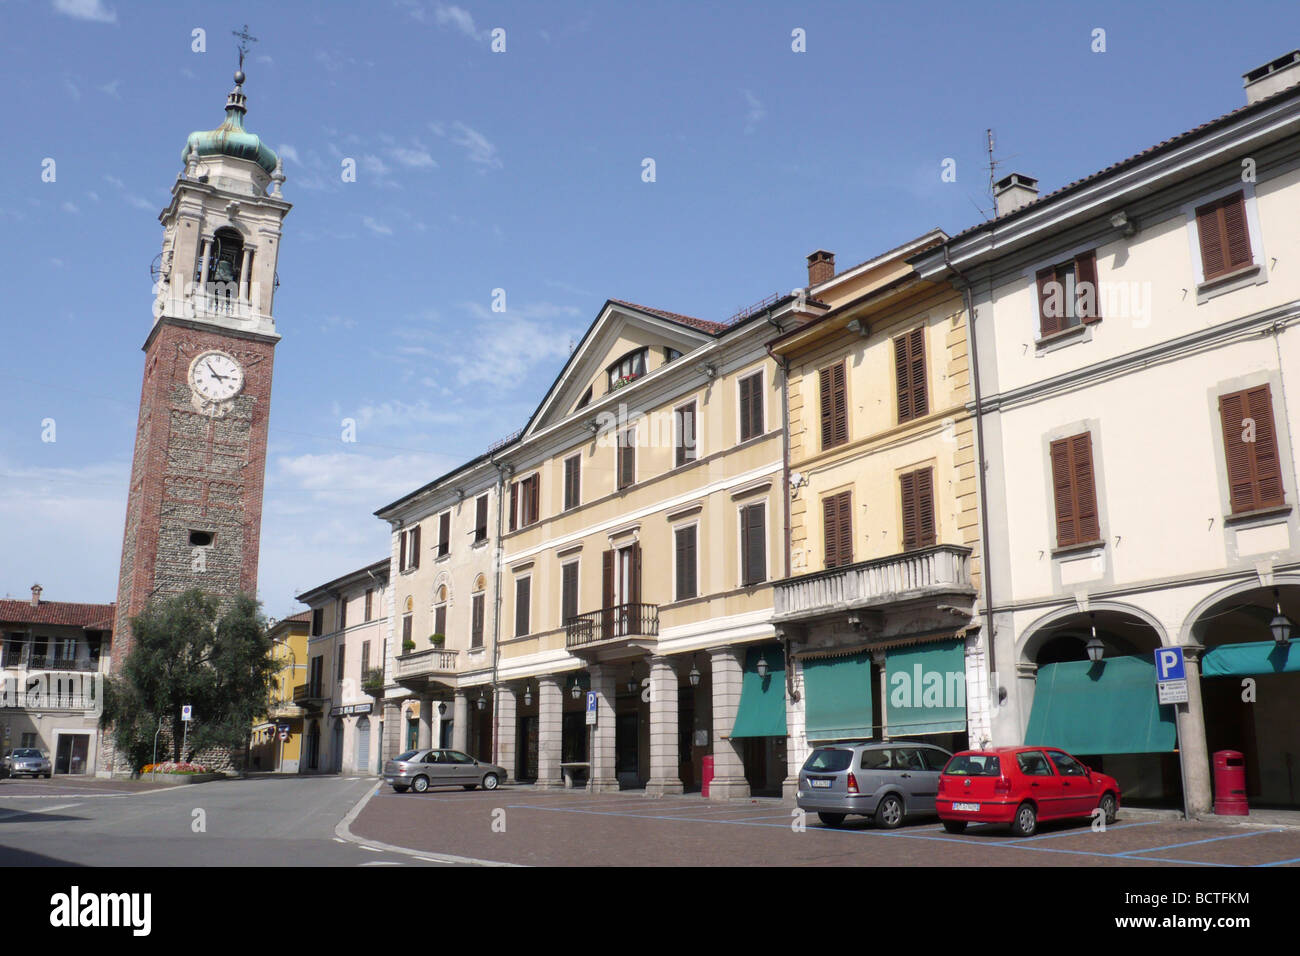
(914, 577)
(427, 670)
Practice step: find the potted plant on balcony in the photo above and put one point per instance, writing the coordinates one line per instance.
(408, 645)
(437, 640)
(373, 684)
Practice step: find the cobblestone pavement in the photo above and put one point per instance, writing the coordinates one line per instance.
(524, 825)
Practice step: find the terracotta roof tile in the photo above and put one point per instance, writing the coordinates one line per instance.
(93, 616)
(704, 325)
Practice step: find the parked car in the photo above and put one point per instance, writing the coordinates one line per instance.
(885, 780)
(1019, 786)
(30, 761)
(419, 770)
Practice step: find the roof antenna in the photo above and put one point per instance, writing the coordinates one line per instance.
(993, 165)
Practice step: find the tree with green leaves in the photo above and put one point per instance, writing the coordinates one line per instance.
(187, 652)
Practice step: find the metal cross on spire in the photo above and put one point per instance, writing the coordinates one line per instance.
(244, 39)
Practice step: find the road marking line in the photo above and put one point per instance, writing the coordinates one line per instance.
(372, 849)
(382, 863)
(428, 859)
(1065, 833)
(1294, 859)
(343, 829)
(1174, 846)
(340, 840)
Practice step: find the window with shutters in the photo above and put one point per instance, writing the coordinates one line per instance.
(444, 534)
(1074, 491)
(365, 658)
(525, 501)
(568, 591)
(909, 372)
(834, 406)
(1224, 236)
(370, 603)
(685, 437)
(401, 550)
(1250, 450)
(338, 671)
(626, 464)
(1068, 294)
(753, 544)
(408, 550)
(317, 621)
(476, 620)
(916, 489)
(440, 619)
(406, 629)
(751, 406)
(685, 563)
(837, 529)
(572, 481)
(523, 600)
(343, 613)
(480, 518)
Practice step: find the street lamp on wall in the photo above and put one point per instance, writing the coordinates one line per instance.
(761, 666)
(1096, 649)
(442, 708)
(482, 700)
(575, 691)
(1281, 624)
(528, 696)
(694, 675)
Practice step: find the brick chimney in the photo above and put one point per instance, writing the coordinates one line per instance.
(36, 595)
(1272, 77)
(821, 266)
(1013, 192)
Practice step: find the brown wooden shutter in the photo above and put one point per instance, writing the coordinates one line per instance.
(751, 407)
(837, 518)
(440, 619)
(1053, 319)
(835, 426)
(901, 379)
(1213, 254)
(444, 534)
(571, 478)
(406, 628)
(911, 526)
(627, 458)
(685, 544)
(480, 518)
(1074, 491)
(1085, 271)
(606, 626)
(534, 498)
(1254, 469)
(752, 545)
(514, 505)
(1236, 234)
(916, 355)
(523, 597)
(569, 592)
(634, 575)
(415, 547)
(401, 551)
(476, 621)
(685, 434)
(830, 531)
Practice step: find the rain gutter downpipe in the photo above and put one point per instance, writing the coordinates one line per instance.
(985, 556)
(502, 471)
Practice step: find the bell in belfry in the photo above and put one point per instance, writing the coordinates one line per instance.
(225, 271)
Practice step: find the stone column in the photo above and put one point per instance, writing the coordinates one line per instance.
(550, 731)
(504, 716)
(664, 758)
(878, 658)
(460, 722)
(243, 276)
(728, 763)
(601, 737)
(796, 721)
(203, 267)
(1193, 752)
(426, 722)
(392, 735)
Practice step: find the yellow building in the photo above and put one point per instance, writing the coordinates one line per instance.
(289, 649)
(877, 613)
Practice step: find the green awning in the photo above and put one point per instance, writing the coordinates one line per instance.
(837, 697)
(762, 699)
(1105, 708)
(927, 689)
(1244, 660)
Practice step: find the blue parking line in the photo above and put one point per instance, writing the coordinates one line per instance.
(1065, 833)
(1294, 859)
(1174, 846)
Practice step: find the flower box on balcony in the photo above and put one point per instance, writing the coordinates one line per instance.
(437, 640)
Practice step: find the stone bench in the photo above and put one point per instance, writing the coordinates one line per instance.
(572, 770)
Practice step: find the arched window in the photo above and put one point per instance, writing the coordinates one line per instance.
(440, 611)
(225, 269)
(477, 601)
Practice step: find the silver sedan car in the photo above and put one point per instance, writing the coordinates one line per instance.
(419, 770)
(30, 761)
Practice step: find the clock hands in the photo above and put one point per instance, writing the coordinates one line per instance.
(214, 371)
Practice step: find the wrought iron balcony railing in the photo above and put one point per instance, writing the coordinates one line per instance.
(611, 623)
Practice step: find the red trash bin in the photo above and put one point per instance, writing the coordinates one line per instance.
(706, 772)
(1230, 784)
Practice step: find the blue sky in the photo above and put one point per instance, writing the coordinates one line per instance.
(518, 170)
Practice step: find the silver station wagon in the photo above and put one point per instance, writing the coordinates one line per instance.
(885, 780)
(419, 770)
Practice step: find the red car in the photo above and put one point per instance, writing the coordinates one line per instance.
(1020, 786)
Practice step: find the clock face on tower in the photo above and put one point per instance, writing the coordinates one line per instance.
(215, 377)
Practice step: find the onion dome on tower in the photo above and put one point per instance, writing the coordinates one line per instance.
(230, 138)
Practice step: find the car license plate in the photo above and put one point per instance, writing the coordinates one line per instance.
(972, 807)
(822, 784)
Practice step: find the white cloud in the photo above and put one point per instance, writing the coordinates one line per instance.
(414, 158)
(375, 166)
(399, 414)
(70, 207)
(378, 228)
(288, 152)
(93, 10)
(517, 341)
(457, 18)
(139, 202)
(110, 89)
(478, 149)
(71, 87)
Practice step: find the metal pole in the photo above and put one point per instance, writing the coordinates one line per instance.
(155, 740)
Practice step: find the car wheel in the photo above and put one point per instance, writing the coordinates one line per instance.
(490, 781)
(1026, 821)
(420, 784)
(1108, 807)
(832, 819)
(401, 789)
(955, 826)
(889, 813)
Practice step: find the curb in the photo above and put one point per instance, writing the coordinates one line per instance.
(344, 832)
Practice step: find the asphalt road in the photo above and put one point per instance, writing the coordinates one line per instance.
(260, 821)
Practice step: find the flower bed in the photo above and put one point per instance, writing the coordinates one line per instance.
(175, 766)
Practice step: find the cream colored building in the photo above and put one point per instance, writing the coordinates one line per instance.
(289, 651)
(883, 511)
(343, 725)
(1135, 333)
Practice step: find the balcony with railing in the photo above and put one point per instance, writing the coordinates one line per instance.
(308, 696)
(622, 622)
(911, 576)
(422, 668)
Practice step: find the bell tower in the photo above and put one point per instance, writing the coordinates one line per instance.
(194, 508)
